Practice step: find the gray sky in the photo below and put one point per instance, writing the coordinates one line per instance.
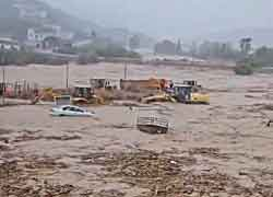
(173, 18)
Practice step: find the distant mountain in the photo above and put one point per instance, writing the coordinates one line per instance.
(261, 36)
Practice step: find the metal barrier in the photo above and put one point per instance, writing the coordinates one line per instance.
(152, 121)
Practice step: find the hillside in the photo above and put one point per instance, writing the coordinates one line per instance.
(91, 10)
(16, 16)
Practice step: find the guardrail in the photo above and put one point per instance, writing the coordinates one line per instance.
(152, 121)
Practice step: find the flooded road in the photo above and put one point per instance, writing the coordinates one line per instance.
(221, 149)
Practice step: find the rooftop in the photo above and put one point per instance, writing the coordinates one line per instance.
(44, 30)
(8, 40)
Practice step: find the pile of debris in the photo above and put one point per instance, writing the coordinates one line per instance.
(169, 176)
(208, 152)
(21, 178)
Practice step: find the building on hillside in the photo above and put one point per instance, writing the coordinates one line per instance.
(35, 36)
(48, 37)
(9, 44)
(57, 44)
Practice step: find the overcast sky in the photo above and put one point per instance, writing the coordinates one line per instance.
(173, 18)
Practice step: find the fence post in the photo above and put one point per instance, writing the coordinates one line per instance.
(4, 79)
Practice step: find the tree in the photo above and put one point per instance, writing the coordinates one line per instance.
(217, 50)
(245, 45)
(94, 34)
(179, 48)
(166, 47)
(134, 42)
(193, 49)
(244, 70)
(263, 56)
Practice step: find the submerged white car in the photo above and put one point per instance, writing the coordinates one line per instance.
(70, 110)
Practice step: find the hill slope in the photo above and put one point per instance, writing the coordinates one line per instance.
(16, 16)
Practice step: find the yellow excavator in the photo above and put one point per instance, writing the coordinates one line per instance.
(47, 94)
(163, 97)
(189, 93)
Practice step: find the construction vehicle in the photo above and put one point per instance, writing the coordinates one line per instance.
(47, 94)
(83, 91)
(62, 100)
(85, 94)
(189, 94)
(195, 86)
(162, 97)
(190, 83)
(142, 85)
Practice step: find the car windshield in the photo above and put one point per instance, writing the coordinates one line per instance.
(66, 108)
(76, 109)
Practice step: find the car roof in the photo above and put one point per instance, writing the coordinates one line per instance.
(182, 86)
(63, 106)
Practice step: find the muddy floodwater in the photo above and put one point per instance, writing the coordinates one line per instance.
(221, 149)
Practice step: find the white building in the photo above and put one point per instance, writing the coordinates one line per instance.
(9, 44)
(36, 36)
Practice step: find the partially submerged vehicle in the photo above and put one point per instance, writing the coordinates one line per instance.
(153, 125)
(72, 111)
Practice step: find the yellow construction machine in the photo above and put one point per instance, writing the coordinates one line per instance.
(185, 93)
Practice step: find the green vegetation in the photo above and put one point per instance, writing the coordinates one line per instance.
(87, 54)
(23, 57)
(134, 42)
(246, 69)
(245, 45)
(217, 50)
(166, 47)
(263, 56)
(116, 51)
(87, 58)
(205, 50)
(102, 48)
(179, 48)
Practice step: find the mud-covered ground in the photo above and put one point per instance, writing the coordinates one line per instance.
(221, 149)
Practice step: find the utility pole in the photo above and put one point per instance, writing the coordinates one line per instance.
(67, 76)
(125, 71)
(3, 79)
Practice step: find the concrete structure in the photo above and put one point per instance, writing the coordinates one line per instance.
(9, 44)
(35, 36)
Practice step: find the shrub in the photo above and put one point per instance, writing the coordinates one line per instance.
(85, 58)
(25, 57)
(244, 69)
(108, 50)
